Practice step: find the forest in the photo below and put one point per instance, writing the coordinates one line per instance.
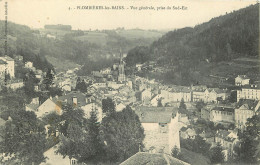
(224, 38)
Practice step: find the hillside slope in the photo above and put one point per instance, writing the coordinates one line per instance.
(201, 49)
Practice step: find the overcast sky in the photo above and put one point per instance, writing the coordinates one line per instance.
(37, 13)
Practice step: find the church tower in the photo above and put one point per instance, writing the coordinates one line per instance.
(121, 69)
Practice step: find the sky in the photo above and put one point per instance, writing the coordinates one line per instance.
(37, 13)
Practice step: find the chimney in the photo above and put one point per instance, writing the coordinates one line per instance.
(75, 100)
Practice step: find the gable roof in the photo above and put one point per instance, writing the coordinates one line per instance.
(152, 159)
(247, 104)
(156, 114)
(81, 98)
(48, 107)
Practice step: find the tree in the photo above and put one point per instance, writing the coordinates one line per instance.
(24, 137)
(200, 145)
(30, 81)
(81, 85)
(182, 107)
(200, 105)
(55, 91)
(73, 132)
(94, 147)
(108, 105)
(159, 103)
(249, 141)
(139, 54)
(216, 154)
(175, 152)
(53, 120)
(72, 143)
(122, 134)
(48, 79)
(71, 115)
(233, 97)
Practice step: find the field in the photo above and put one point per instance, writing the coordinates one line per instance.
(225, 72)
(138, 33)
(94, 37)
(61, 65)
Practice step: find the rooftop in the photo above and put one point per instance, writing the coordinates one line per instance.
(224, 109)
(2, 62)
(152, 159)
(156, 114)
(246, 103)
(242, 76)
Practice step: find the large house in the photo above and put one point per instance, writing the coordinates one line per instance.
(227, 139)
(146, 96)
(177, 94)
(222, 115)
(249, 92)
(160, 128)
(245, 109)
(48, 107)
(241, 80)
(209, 94)
(7, 66)
(74, 98)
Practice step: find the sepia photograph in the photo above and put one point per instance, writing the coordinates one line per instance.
(129, 82)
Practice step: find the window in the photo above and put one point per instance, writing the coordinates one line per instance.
(163, 127)
(73, 162)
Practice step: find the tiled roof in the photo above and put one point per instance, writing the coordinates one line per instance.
(224, 109)
(152, 159)
(246, 103)
(81, 98)
(156, 114)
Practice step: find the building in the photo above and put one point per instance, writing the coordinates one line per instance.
(74, 98)
(15, 85)
(227, 139)
(176, 94)
(206, 95)
(241, 80)
(152, 158)
(48, 107)
(245, 109)
(222, 115)
(106, 71)
(8, 63)
(160, 128)
(146, 96)
(138, 67)
(249, 92)
(2, 69)
(28, 64)
(155, 100)
(187, 133)
(205, 113)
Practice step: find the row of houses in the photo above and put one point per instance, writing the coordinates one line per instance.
(237, 115)
(207, 95)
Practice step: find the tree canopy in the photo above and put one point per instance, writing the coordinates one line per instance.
(122, 134)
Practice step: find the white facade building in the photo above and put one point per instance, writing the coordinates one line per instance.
(9, 66)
